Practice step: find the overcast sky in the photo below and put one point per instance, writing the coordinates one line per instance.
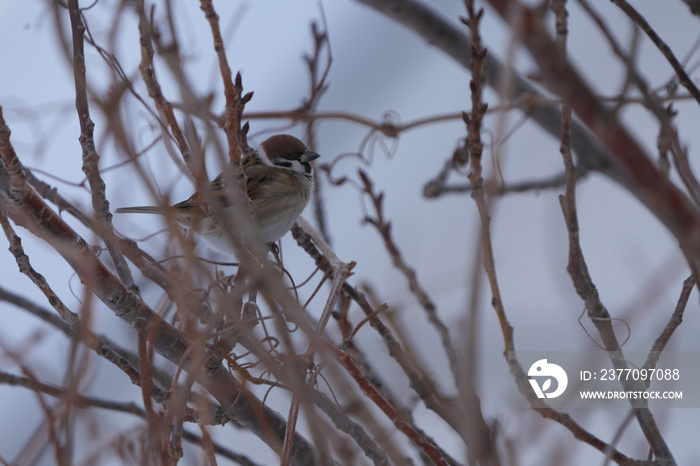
(378, 67)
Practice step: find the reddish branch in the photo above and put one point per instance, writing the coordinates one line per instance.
(100, 345)
(673, 323)
(318, 86)
(84, 402)
(234, 106)
(383, 226)
(642, 177)
(479, 439)
(472, 121)
(683, 77)
(430, 450)
(237, 143)
(583, 435)
(68, 316)
(30, 211)
(599, 315)
(12, 172)
(577, 267)
(469, 422)
(163, 105)
(668, 137)
(439, 32)
(235, 101)
(90, 157)
(146, 264)
(448, 409)
(476, 64)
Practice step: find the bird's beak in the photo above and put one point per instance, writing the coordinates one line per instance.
(308, 156)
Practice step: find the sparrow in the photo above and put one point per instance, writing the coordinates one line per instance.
(280, 180)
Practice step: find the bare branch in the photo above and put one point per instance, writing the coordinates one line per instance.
(683, 77)
(439, 33)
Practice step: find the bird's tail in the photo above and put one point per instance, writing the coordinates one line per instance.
(140, 210)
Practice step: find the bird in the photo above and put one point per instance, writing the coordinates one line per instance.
(280, 181)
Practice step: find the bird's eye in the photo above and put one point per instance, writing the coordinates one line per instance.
(290, 156)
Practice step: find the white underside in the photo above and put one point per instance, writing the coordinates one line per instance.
(273, 219)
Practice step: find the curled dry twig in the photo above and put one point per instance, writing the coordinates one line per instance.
(578, 269)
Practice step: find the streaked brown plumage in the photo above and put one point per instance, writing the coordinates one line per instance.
(280, 183)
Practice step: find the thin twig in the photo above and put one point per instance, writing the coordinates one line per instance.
(235, 100)
(33, 214)
(642, 177)
(668, 137)
(428, 448)
(439, 32)
(318, 86)
(383, 227)
(84, 402)
(578, 269)
(673, 323)
(420, 381)
(683, 77)
(432, 189)
(68, 316)
(91, 158)
(480, 442)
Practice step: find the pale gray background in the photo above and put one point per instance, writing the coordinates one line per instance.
(378, 67)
